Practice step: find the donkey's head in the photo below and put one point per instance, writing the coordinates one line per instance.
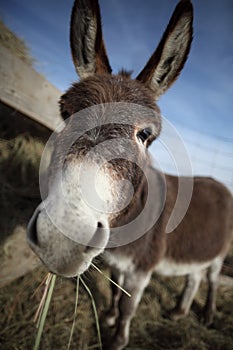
(98, 167)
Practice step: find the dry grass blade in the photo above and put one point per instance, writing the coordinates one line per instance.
(43, 308)
(108, 278)
(75, 314)
(95, 312)
(45, 281)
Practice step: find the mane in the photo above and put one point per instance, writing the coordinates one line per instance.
(125, 73)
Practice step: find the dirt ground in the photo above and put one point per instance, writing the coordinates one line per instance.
(151, 328)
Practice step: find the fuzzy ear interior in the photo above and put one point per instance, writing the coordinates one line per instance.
(167, 61)
(86, 39)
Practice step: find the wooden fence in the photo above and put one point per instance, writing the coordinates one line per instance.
(27, 91)
(24, 90)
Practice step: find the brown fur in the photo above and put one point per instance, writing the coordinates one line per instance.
(146, 75)
(205, 232)
(105, 88)
(200, 242)
(78, 46)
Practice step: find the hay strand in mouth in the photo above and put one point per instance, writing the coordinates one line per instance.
(95, 313)
(108, 278)
(75, 314)
(42, 310)
(45, 281)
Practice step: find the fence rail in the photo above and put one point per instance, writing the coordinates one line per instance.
(27, 91)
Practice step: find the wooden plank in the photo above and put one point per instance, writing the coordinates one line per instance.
(27, 91)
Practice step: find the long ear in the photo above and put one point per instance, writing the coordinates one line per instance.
(169, 58)
(86, 40)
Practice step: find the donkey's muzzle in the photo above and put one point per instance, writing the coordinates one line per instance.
(32, 236)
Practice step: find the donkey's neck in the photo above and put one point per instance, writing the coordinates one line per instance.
(151, 188)
(148, 204)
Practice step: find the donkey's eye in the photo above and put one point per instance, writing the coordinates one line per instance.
(65, 115)
(143, 135)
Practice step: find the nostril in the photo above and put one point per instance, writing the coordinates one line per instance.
(98, 239)
(32, 230)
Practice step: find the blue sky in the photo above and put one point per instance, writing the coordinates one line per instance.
(202, 98)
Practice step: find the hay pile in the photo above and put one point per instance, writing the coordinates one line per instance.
(15, 44)
(150, 329)
(19, 190)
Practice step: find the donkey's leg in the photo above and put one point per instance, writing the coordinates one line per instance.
(135, 284)
(212, 276)
(183, 306)
(113, 312)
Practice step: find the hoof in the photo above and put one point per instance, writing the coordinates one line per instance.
(114, 346)
(177, 314)
(110, 319)
(208, 319)
(209, 312)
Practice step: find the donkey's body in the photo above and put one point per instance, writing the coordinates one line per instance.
(198, 244)
(196, 247)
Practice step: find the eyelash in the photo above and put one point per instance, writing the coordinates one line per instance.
(143, 135)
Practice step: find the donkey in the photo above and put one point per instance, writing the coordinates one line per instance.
(67, 243)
